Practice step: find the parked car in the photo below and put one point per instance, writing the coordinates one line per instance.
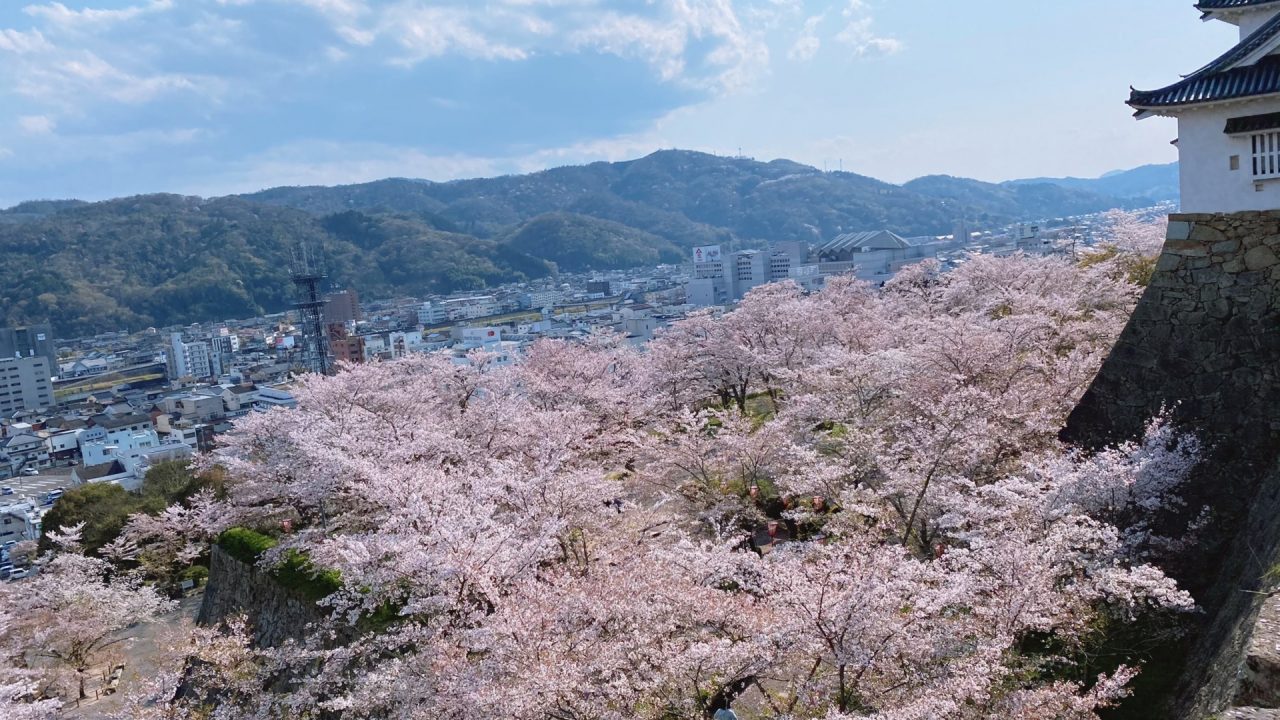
(19, 573)
(30, 471)
(6, 490)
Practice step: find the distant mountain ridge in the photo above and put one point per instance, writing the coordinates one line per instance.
(1154, 182)
(157, 260)
(753, 200)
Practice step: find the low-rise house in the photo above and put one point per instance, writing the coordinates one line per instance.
(237, 399)
(270, 397)
(63, 445)
(19, 521)
(25, 450)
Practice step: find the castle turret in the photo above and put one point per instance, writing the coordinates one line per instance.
(1228, 115)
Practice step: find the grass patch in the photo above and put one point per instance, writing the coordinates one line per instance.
(295, 572)
(244, 544)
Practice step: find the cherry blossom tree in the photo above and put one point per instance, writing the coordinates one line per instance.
(65, 619)
(572, 537)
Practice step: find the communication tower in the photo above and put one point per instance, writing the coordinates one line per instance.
(307, 278)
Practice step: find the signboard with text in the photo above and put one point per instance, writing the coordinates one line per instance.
(706, 253)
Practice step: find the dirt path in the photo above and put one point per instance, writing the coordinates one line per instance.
(141, 657)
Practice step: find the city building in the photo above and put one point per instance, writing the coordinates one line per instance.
(23, 450)
(189, 359)
(853, 247)
(19, 520)
(1228, 115)
(471, 308)
(432, 314)
(25, 384)
(342, 307)
(36, 340)
(539, 299)
(486, 338)
(719, 279)
(344, 346)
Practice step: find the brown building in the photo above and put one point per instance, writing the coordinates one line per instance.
(343, 307)
(343, 346)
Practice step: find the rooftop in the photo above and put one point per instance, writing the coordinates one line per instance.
(877, 238)
(110, 422)
(1226, 78)
(1211, 5)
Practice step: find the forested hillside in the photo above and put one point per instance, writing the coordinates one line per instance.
(164, 259)
(686, 196)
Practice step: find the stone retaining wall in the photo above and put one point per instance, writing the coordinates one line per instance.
(275, 613)
(1205, 342)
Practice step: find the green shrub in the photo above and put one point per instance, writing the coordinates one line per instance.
(197, 573)
(298, 573)
(245, 545)
(295, 572)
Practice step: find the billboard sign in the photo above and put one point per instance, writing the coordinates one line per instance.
(706, 253)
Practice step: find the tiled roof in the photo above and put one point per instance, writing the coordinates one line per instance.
(1220, 79)
(1207, 5)
(87, 473)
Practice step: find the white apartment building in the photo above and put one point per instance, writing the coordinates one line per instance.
(25, 384)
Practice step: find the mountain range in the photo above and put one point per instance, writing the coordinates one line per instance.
(157, 260)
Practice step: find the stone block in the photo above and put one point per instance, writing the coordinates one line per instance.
(1186, 248)
(1168, 263)
(1260, 258)
(1207, 234)
(1233, 266)
(1207, 279)
(1179, 230)
(1260, 681)
(1226, 246)
(1251, 278)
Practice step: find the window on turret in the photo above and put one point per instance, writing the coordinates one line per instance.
(1266, 154)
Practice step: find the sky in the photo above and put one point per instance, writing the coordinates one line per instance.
(108, 98)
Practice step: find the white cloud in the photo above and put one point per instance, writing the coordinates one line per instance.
(23, 43)
(60, 14)
(859, 35)
(808, 44)
(37, 124)
(67, 80)
(429, 32)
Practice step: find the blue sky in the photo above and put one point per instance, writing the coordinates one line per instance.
(104, 98)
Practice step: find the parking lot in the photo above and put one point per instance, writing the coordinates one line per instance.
(36, 486)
